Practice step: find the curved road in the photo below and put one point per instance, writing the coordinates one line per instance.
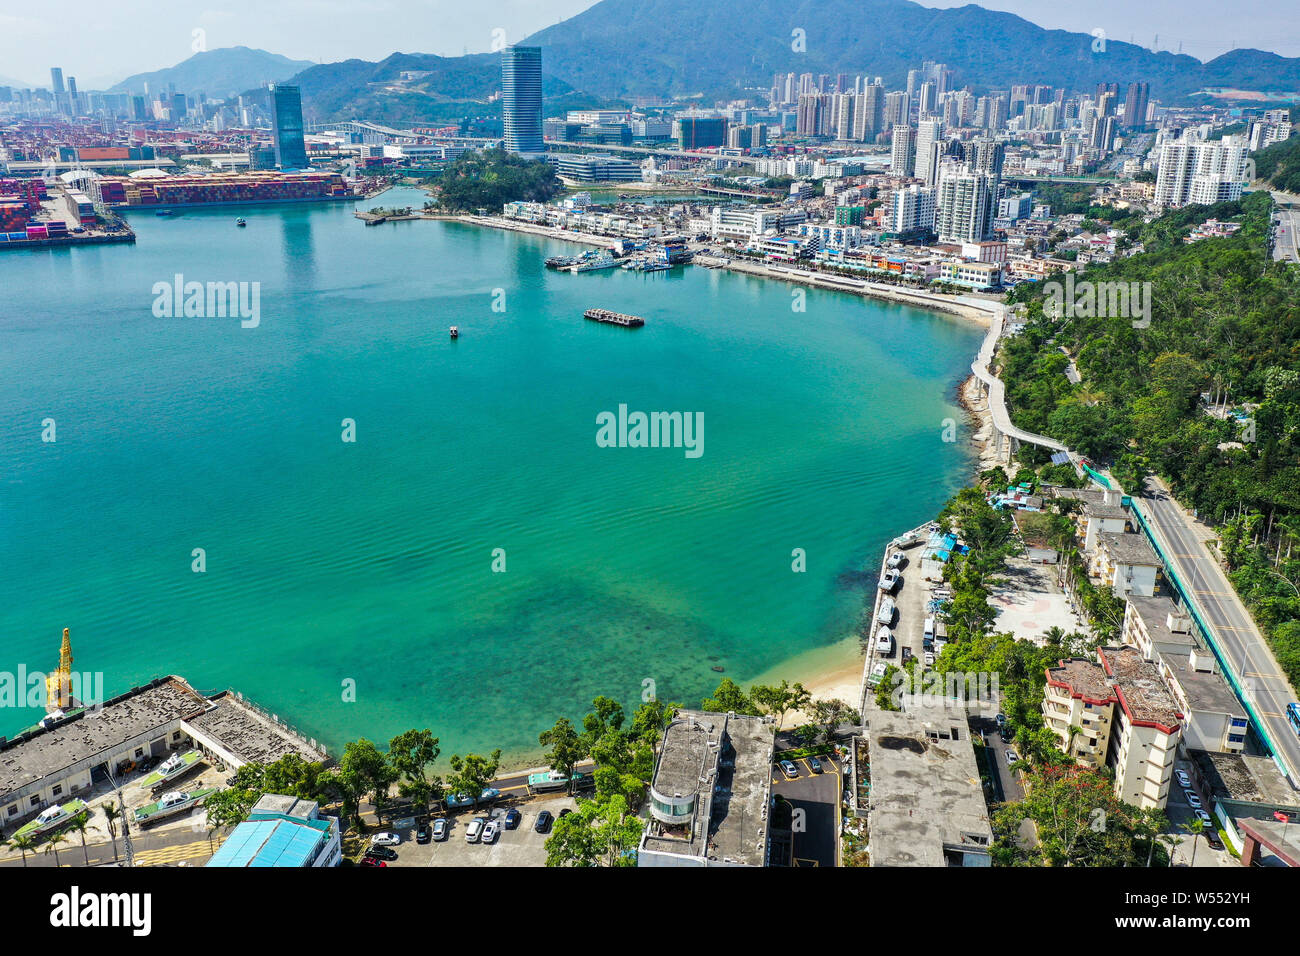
(981, 368)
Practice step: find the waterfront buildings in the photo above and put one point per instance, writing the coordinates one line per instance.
(711, 791)
(1125, 562)
(287, 133)
(283, 831)
(926, 805)
(521, 99)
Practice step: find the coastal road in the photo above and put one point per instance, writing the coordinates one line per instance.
(1240, 643)
(1286, 238)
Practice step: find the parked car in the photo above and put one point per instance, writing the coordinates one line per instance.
(1192, 800)
(565, 812)
(513, 817)
(1184, 779)
(1001, 720)
(385, 839)
(371, 861)
(475, 830)
(1212, 838)
(543, 822)
(490, 831)
(440, 828)
(424, 833)
(381, 853)
(1205, 818)
(814, 765)
(1012, 757)
(929, 659)
(789, 769)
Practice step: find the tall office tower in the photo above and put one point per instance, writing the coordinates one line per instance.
(180, 109)
(986, 155)
(842, 106)
(896, 104)
(521, 98)
(789, 89)
(1019, 97)
(56, 80)
(1135, 105)
(902, 153)
(138, 109)
(914, 80)
(869, 113)
(1197, 171)
(964, 203)
(929, 147)
(1103, 134)
(927, 98)
(286, 126)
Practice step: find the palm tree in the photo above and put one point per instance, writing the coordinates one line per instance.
(23, 844)
(78, 825)
(112, 812)
(1195, 828)
(52, 846)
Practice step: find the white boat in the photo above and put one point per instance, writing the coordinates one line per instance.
(602, 261)
(170, 804)
(885, 615)
(889, 580)
(51, 818)
(884, 641)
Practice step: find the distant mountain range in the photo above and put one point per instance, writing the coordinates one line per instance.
(218, 73)
(626, 47)
(618, 49)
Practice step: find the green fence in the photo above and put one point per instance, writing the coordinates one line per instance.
(1208, 636)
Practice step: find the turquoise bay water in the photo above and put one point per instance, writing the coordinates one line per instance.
(372, 561)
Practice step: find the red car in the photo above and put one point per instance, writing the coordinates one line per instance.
(371, 861)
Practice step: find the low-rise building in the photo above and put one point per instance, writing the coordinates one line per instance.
(282, 831)
(926, 806)
(1079, 707)
(1126, 563)
(1146, 730)
(711, 792)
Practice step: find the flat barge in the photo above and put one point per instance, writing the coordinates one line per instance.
(614, 318)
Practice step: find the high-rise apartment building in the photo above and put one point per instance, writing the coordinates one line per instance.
(869, 113)
(287, 131)
(896, 104)
(964, 203)
(1135, 105)
(903, 151)
(56, 80)
(1197, 171)
(912, 211)
(521, 99)
(929, 148)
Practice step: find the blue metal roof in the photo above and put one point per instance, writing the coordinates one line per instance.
(268, 843)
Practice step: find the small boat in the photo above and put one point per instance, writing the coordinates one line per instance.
(164, 212)
(170, 804)
(174, 767)
(241, 222)
(455, 332)
(51, 818)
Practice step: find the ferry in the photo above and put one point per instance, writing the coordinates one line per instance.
(170, 804)
(614, 318)
(590, 264)
(51, 818)
(174, 767)
(455, 332)
(241, 222)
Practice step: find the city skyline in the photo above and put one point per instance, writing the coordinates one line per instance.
(168, 36)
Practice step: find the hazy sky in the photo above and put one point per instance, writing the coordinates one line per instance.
(102, 41)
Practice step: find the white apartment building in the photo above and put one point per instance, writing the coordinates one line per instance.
(929, 143)
(913, 210)
(1192, 170)
(963, 204)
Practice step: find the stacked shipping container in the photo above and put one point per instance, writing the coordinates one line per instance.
(222, 188)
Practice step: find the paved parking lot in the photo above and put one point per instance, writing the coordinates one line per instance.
(522, 846)
(815, 799)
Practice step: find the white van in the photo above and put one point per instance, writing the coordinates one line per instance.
(929, 629)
